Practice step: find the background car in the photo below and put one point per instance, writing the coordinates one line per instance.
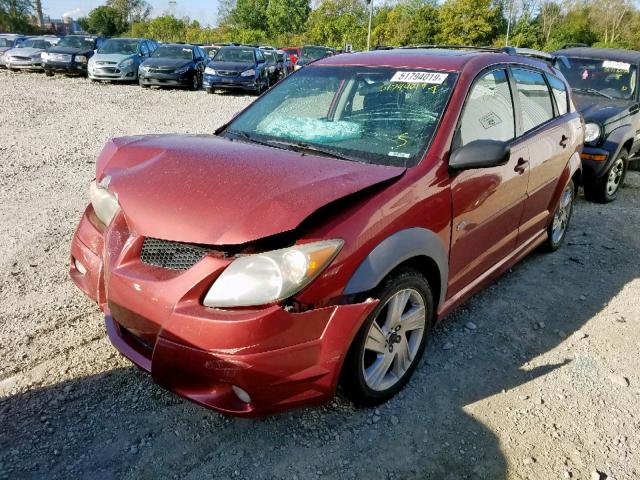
(273, 67)
(285, 60)
(118, 59)
(175, 65)
(7, 42)
(311, 53)
(27, 55)
(294, 53)
(71, 55)
(237, 68)
(211, 50)
(604, 82)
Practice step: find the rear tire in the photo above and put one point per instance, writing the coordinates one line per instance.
(211, 91)
(389, 344)
(48, 73)
(557, 229)
(193, 86)
(605, 189)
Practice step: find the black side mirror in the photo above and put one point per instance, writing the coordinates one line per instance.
(480, 154)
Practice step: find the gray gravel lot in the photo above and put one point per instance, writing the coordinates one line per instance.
(537, 377)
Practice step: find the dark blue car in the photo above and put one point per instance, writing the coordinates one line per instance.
(237, 68)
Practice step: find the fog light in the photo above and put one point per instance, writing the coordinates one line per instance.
(241, 394)
(79, 266)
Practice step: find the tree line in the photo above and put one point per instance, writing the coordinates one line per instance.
(539, 24)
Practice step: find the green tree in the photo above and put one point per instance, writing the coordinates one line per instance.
(103, 20)
(470, 22)
(338, 22)
(15, 15)
(249, 14)
(131, 11)
(165, 29)
(287, 16)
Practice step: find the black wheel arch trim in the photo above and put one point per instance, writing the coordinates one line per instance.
(395, 250)
(616, 139)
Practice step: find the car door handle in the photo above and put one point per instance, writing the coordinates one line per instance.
(521, 166)
(563, 141)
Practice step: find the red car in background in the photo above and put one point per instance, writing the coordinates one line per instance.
(294, 53)
(317, 238)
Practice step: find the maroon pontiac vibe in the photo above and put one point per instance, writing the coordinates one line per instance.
(315, 240)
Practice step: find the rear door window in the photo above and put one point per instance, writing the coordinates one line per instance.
(534, 96)
(559, 91)
(488, 113)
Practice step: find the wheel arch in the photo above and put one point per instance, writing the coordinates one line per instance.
(418, 248)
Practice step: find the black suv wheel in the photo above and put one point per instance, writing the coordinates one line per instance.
(605, 189)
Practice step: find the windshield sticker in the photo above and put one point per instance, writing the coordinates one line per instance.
(88, 39)
(399, 154)
(616, 66)
(490, 120)
(419, 77)
(386, 87)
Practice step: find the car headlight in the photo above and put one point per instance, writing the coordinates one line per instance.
(248, 73)
(209, 71)
(104, 203)
(591, 132)
(181, 70)
(126, 63)
(81, 59)
(271, 276)
(44, 55)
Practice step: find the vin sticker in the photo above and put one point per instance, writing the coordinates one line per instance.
(624, 67)
(419, 77)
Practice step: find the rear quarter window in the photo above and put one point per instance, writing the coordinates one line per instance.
(560, 94)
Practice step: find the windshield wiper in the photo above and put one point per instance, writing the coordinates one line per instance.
(314, 149)
(594, 91)
(251, 139)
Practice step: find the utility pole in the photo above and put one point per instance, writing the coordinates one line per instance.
(370, 2)
(506, 42)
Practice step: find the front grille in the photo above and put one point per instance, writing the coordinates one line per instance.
(171, 255)
(227, 73)
(60, 57)
(105, 63)
(107, 70)
(20, 59)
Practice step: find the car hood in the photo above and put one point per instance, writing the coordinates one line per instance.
(601, 110)
(211, 190)
(111, 57)
(4, 49)
(70, 50)
(166, 62)
(25, 52)
(237, 66)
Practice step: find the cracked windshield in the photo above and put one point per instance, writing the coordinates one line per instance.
(604, 78)
(385, 116)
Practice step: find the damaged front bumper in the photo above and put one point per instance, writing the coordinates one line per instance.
(276, 359)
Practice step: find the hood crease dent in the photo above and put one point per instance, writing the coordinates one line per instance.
(213, 191)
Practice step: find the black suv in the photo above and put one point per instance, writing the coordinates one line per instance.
(605, 87)
(71, 54)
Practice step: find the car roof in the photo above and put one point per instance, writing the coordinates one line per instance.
(616, 54)
(183, 45)
(447, 59)
(129, 38)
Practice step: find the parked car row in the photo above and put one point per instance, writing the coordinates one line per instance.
(216, 67)
(414, 177)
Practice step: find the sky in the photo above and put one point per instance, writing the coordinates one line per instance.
(205, 11)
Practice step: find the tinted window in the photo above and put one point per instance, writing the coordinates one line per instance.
(119, 46)
(559, 93)
(234, 54)
(259, 55)
(143, 48)
(488, 113)
(535, 101)
(600, 78)
(173, 51)
(78, 42)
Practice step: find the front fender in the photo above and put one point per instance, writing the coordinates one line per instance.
(393, 251)
(616, 139)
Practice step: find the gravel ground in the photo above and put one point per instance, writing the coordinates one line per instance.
(537, 377)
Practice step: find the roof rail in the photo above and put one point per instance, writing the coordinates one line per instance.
(524, 52)
(573, 45)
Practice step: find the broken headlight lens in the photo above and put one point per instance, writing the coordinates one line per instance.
(271, 276)
(105, 204)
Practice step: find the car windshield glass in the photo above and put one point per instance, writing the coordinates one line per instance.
(313, 53)
(607, 78)
(244, 55)
(120, 46)
(77, 42)
(384, 115)
(292, 52)
(173, 51)
(33, 43)
(6, 42)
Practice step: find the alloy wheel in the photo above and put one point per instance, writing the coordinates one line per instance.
(562, 215)
(394, 339)
(615, 177)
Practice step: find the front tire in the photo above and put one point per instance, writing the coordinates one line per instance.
(605, 189)
(557, 229)
(48, 73)
(391, 341)
(194, 85)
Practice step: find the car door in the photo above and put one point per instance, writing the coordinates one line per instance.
(547, 133)
(487, 202)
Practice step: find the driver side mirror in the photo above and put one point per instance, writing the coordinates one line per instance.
(480, 154)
